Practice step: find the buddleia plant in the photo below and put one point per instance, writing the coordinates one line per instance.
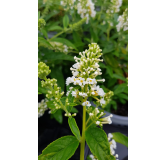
(81, 86)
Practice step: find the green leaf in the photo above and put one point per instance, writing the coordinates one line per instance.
(121, 88)
(39, 93)
(54, 28)
(74, 128)
(88, 40)
(98, 143)
(44, 32)
(123, 96)
(110, 60)
(110, 71)
(61, 149)
(73, 104)
(119, 77)
(102, 65)
(65, 21)
(44, 41)
(64, 41)
(108, 48)
(94, 35)
(120, 138)
(41, 89)
(76, 37)
(57, 74)
(50, 104)
(48, 16)
(57, 56)
(58, 116)
(63, 100)
(74, 110)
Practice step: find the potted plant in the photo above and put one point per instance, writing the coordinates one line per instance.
(82, 85)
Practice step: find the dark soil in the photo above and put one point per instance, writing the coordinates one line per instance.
(122, 110)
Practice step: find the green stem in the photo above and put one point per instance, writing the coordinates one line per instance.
(82, 145)
(60, 33)
(87, 121)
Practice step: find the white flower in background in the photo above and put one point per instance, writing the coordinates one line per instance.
(86, 8)
(67, 4)
(57, 46)
(90, 114)
(87, 103)
(109, 136)
(92, 157)
(116, 4)
(96, 111)
(102, 101)
(67, 93)
(112, 8)
(42, 107)
(98, 122)
(123, 21)
(114, 144)
(65, 50)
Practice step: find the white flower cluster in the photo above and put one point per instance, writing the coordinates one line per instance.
(92, 157)
(112, 8)
(105, 120)
(84, 72)
(112, 147)
(68, 4)
(42, 107)
(123, 21)
(86, 8)
(60, 47)
(95, 116)
(116, 4)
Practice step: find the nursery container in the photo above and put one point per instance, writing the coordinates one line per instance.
(118, 120)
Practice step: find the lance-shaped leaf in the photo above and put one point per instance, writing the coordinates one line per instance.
(61, 149)
(58, 116)
(65, 21)
(44, 41)
(64, 41)
(98, 143)
(74, 128)
(120, 138)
